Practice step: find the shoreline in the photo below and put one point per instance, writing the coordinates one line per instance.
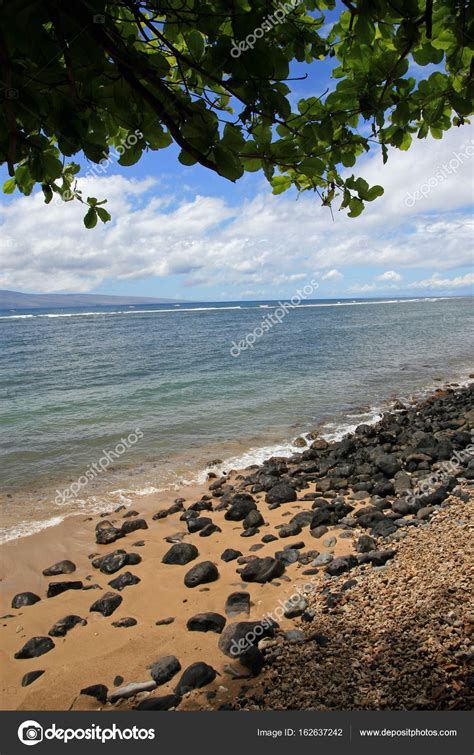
(99, 653)
(243, 454)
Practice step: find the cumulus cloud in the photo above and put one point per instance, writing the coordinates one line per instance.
(255, 244)
(437, 282)
(390, 275)
(332, 275)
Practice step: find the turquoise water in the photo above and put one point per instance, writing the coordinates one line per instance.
(74, 383)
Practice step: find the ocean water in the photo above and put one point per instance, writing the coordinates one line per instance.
(97, 405)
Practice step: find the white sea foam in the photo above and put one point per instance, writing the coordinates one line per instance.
(219, 309)
(23, 529)
(80, 506)
(335, 431)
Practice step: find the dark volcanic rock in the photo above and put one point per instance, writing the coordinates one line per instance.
(194, 525)
(383, 488)
(365, 544)
(164, 702)
(230, 554)
(206, 622)
(252, 659)
(98, 691)
(201, 574)
(164, 622)
(241, 505)
(236, 603)
(281, 493)
(253, 519)
(133, 524)
(107, 604)
(269, 538)
(127, 621)
(238, 638)
(164, 669)
(56, 588)
(321, 516)
(384, 528)
(250, 532)
(341, 565)
(288, 556)
(180, 553)
(62, 627)
(35, 647)
(25, 599)
(112, 562)
(62, 567)
(209, 529)
(403, 507)
(107, 535)
(376, 558)
(388, 464)
(124, 580)
(302, 518)
(368, 516)
(289, 530)
(194, 677)
(262, 570)
(201, 506)
(31, 677)
(319, 531)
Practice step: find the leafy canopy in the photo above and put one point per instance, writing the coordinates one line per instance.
(213, 76)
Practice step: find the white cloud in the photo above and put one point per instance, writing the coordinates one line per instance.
(332, 275)
(390, 275)
(437, 282)
(363, 288)
(257, 244)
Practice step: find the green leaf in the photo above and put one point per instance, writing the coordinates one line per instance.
(48, 193)
(365, 29)
(374, 192)
(9, 186)
(90, 218)
(131, 155)
(280, 184)
(195, 42)
(103, 214)
(356, 206)
(186, 159)
(427, 54)
(406, 141)
(24, 179)
(227, 163)
(461, 104)
(312, 166)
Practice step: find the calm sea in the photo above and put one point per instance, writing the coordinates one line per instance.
(76, 384)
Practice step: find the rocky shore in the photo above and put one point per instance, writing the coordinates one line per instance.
(337, 578)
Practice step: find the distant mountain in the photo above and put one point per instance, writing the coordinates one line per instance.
(18, 300)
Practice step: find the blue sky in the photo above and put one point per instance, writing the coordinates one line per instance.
(186, 233)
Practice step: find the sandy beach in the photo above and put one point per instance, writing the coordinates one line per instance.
(339, 495)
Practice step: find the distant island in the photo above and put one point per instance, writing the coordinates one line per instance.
(18, 300)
